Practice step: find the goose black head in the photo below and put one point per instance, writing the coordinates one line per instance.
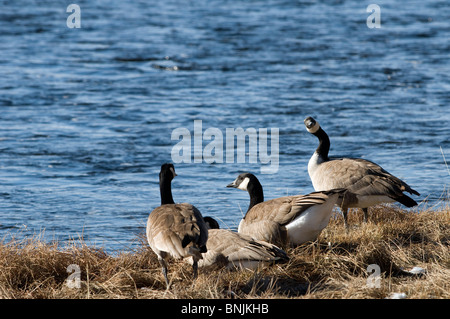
(248, 182)
(242, 181)
(312, 126)
(211, 223)
(167, 172)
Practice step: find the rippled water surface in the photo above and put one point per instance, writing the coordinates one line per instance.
(87, 114)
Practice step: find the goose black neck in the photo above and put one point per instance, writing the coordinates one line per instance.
(324, 144)
(256, 193)
(165, 189)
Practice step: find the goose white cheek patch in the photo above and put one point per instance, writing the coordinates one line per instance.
(244, 184)
(314, 129)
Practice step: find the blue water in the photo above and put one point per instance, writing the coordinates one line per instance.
(87, 113)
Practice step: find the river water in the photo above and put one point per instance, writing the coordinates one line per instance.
(87, 114)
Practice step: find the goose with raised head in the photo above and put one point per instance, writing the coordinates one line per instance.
(176, 230)
(234, 251)
(368, 183)
(289, 220)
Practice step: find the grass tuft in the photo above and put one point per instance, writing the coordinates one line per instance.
(334, 266)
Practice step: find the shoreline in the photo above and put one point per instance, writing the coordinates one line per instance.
(336, 266)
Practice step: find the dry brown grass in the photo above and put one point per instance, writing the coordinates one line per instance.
(335, 266)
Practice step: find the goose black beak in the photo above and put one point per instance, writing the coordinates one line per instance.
(232, 185)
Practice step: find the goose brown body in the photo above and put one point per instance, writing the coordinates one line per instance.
(289, 220)
(175, 230)
(232, 250)
(367, 182)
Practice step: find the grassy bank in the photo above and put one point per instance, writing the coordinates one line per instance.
(335, 266)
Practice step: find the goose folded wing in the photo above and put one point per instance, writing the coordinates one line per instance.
(225, 244)
(175, 226)
(299, 204)
(246, 248)
(374, 180)
(267, 230)
(360, 175)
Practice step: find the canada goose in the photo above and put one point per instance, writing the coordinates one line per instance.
(176, 230)
(369, 183)
(237, 251)
(290, 219)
